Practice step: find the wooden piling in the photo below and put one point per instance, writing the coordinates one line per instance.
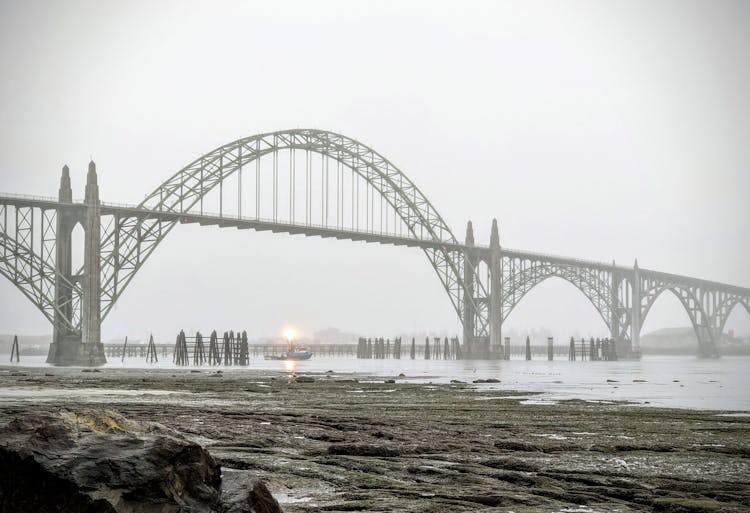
(244, 353)
(550, 349)
(198, 350)
(14, 350)
(226, 349)
(124, 348)
(151, 356)
(214, 356)
(528, 348)
(180, 356)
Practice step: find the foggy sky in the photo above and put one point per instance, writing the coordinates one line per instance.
(597, 130)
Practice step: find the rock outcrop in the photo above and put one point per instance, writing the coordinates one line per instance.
(99, 461)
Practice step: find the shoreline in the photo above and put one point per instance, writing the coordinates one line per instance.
(335, 444)
(70, 376)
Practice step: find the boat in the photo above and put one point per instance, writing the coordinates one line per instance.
(299, 353)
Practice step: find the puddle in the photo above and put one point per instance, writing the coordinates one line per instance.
(284, 498)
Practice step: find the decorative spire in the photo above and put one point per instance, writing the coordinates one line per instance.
(92, 188)
(91, 176)
(494, 235)
(636, 264)
(65, 193)
(469, 234)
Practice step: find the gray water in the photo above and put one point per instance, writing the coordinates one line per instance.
(671, 381)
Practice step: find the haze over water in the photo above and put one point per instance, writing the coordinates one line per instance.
(668, 381)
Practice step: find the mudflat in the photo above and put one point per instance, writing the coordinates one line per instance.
(326, 442)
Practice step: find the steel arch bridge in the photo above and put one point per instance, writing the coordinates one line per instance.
(315, 183)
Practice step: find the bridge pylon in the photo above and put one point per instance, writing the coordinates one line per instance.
(78, 346)
(636, 321)
(496, 305)
(469, 312)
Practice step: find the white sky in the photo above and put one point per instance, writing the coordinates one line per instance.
(600, 130)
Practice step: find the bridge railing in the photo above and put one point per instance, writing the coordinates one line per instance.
(30, 197)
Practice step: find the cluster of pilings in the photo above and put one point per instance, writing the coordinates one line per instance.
(379, 348)
(438, 349)
(149, 352)
(231, 349)
(594, 350)
(597, 350)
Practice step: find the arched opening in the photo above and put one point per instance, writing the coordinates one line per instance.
(554, 308)
(735, 337)
(381, 200)
(77, 248)
(261, 282)
(667, 328)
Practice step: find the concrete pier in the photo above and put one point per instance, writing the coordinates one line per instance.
(69, 346)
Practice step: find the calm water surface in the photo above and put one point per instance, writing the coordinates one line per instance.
(673, 381)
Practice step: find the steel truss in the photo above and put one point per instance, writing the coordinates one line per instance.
(27, 259)
(523, 273)
(707, 305)
(127, 243)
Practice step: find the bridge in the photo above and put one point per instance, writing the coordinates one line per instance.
(313, 183)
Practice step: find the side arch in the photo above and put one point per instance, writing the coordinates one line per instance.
(704, 332)
(728, 307)
(589, 282)
(127, 246)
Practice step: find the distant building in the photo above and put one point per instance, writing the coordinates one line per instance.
(683, 340)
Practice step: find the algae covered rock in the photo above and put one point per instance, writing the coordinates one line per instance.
(99, 461)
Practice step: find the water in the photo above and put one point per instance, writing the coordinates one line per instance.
(671, 381)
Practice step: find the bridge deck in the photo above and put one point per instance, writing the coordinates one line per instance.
(247, 223)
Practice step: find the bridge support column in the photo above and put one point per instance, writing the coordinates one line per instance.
(708, 338)
(496, 306)
(80, 347)
(63, 337)
(635, 313)
(91, 325)
(469, 313)
(614, 321)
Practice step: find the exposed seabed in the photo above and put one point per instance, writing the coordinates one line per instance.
(334, 442)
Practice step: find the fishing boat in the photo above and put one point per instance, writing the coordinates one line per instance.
(294, 353)
(299, 353)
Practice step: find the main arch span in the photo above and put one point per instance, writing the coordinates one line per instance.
(315, 183)
(371, 175)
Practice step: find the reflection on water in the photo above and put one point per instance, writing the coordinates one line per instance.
(290, 366)
(674, 381)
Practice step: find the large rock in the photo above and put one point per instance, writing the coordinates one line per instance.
(101, 462)
(242, 492)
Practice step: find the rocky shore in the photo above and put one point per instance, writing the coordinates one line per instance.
(333, 443)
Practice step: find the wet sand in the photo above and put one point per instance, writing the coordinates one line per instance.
(336, 444)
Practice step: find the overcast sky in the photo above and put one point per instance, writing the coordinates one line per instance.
(599, 130)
